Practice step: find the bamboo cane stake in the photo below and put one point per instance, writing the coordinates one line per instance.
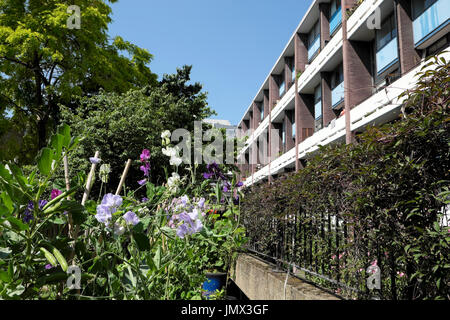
(88, 190)
(124, 175)
(66, 176)
(71, 231)
(89, 181)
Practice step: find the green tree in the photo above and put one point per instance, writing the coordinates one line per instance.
(120, 126)
(43, 63)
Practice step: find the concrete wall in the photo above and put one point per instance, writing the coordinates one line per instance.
(258, 282)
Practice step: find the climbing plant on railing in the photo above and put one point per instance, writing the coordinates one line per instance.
(378, 202)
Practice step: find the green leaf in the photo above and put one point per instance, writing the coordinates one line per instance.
(57, 145)
(18, 223)
(76, 209)
(45, 161)
(64, 130)
(4, 173)
(142, 241)
(157, 258)
(7, 202)
(4, 276)
(18, 175)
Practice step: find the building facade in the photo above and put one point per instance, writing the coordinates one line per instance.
(337, 76)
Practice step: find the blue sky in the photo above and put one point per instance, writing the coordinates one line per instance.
(231, 44)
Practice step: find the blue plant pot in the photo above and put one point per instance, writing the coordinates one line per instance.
(213, 282)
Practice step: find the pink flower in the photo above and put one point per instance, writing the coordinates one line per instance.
(374, 263)
(333, 256)
(145, 155)
(341, 255)
(400, 274)
(55, 193)
(361, 270)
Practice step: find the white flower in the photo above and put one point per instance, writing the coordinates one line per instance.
(175, 161)
(173, 182)
(118, 229)
(104, 172)
(169, 152)
(166, 134)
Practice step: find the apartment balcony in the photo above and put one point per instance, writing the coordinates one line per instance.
(335, 21)
(337, 94)
(432, 20)
(314, 48)
(387, 56)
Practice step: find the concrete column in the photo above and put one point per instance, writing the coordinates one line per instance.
(409, 57)
(288, 126)
(324, 21)
(358, 81)
(251, 122)
(327, 112)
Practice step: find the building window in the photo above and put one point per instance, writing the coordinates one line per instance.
(429, 17)
(419, 6)
(318, 108)
(261, 108)
(314, 41)
(438, 45)
(283, 135)
(386, 45)
(337, 86)
(335, 15)
(293, 72)
(282, 90)
(293, 125)
(387, 32)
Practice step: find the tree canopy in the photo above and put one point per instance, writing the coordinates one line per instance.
(43, 64)
(121, 125)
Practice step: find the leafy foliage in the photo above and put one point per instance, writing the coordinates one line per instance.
(120, 125)
(44, 63)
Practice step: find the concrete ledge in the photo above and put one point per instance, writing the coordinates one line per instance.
(257, 280)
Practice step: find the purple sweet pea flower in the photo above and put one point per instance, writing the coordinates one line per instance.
(112, 201)
(104, 214)
(239, 184)
(201, 203)
(144, 199)
(131, 218)
(146, 169)
(207, 175)
(55, 193)
(42, 204)
(142, 182)
(145, 155)
(95, 160)
(213, 170)
(28, 213)
(48, 266)
(226, 186)
(236, 200)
